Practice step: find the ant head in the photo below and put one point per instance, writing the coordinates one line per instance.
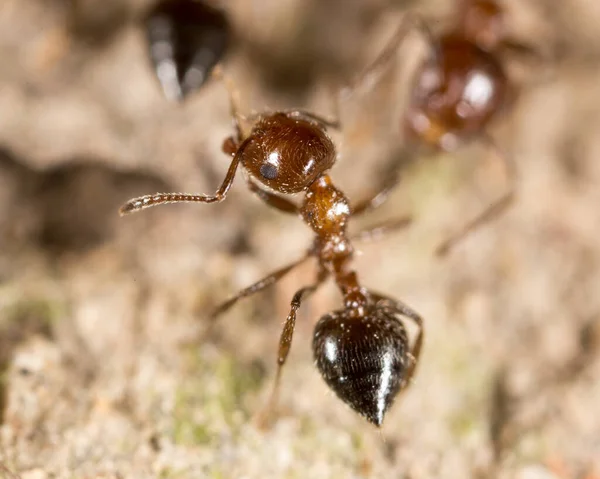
(482, 21)
(287, 154)
(363, 358)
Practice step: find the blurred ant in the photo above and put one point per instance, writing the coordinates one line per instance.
(362, 351)
(186, 40)
(459, 89)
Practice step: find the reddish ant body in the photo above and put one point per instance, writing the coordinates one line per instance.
(463, 86)
(362, 350)
(460, 89)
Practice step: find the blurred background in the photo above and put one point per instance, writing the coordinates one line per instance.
(102, 369)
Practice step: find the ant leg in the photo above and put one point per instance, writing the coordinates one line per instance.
(494, 209)
(256, 287)
(231, 146)
(377, 199)
(377, 232)
(234, 147)
(273, 200)
(391, 176)
(234, 102)
(371, 74)
(285, 342)
(147, 201)
(403, 309)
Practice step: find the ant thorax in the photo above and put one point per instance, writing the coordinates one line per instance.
(326, 210)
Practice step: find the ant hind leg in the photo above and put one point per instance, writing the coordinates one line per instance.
(274, 201)
(498, 207)
(402, 309)
(265, 416)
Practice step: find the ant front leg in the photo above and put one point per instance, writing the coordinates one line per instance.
(231, 146)
(147, 201)
(285, 343)
(494, 209)
(274, 201)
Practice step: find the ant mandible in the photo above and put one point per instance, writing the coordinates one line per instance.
(362, 351)
(459, 90)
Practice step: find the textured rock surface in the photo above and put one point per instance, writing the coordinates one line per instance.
(102, 374)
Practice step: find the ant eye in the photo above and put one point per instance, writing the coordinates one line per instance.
(363, 360)
(268, 171)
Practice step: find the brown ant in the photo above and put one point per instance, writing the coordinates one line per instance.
(362, 351)
(186, 39)
(459, 89)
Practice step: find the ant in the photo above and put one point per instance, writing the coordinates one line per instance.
(459, 90)
(186, 39)
(362, 350)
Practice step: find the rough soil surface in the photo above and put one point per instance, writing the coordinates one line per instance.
(104, 370)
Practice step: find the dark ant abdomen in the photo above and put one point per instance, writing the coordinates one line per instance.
(186, 40)
(364, 359)
(456, 94)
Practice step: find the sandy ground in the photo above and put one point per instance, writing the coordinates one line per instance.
(102, 369)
